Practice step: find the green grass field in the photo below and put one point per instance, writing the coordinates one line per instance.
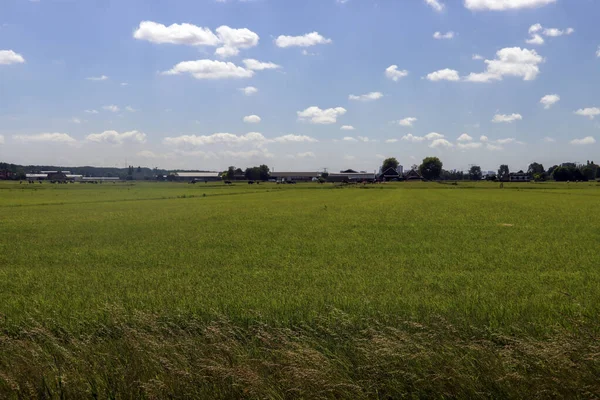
(169, 290)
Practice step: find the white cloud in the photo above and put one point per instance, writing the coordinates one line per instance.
(151, 154)
(535, 28)
(536, 31)
(493, 147)
(440, 143)
(501, 5)
(215, 138)
(588, 112)
(256, 65)
(97, 78)
(91, 111)
(8, 57)
(394, 74)
(367, 97)
(510, 61)
(535, 39)
(347, 128)
(114, 137)
(258, 154)
(598, 52)
(249, 90)
(111, 108)
(45, 137)
(434, 136)
(436, 5)
(349, 157)
(315, 115)
(210, 69)
(391, 141)
(1, 139)
(350, 139)
(295, 139)
(469, 146)
(307, 40)
(411, 138)
(365, 139)
(407, 121)
(549, 100)
(464, 138)
(477, 57)
(443, 75)
(124, 84)
(584, 141)
(506, 141)
(230, 40)
(506, 118)
(554, 32)
(440, 35)
(549, 139)
(75, 120)
(308, 154)
(483, 138)
(130, 109)
(252, 119)
(235, 39)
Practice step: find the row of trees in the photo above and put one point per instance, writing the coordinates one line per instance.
(432, 169)
(261, 172)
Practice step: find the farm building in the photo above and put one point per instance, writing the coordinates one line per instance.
(413, 175)
(390, 174)
(351, 177)
(36, 177)
(295, 176)
(519, 177)
(196, 176)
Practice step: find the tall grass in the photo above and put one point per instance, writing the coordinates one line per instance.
(115, 291)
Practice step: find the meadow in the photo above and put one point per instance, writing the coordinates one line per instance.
(400, 290)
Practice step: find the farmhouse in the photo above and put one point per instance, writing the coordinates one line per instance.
(390, 174)
(519, 177)
(197, 176)
(413, 175)
(295, 176)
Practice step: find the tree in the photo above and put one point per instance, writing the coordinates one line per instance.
(535, 168)
(551, 170)
(431, 168)
(588, 173)
(475, 173)
(389, 163)
(491, 177)
(598, 173)
(567, 172)
(252, 174)
(230, 173)
(264, 173)
(503, 172)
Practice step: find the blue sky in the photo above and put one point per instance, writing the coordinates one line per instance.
(102, 82)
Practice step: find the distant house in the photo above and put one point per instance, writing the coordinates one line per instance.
(196, 176)
(56, 176)
(519, 177)
(413, 175)
(390, 174)
(295, 176)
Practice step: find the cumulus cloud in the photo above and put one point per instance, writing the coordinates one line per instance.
(91, 111)
(45, 137)
(443, 75)
(506, 118)
(258, 154)
(598, 52)
(347, 128)
(295, 139)
(114, 137)
(407, 121)
(413, 139)
(393, 73)
(493, 147)
(307, 154)
(477, 57)
(256, 65)
(391, 140)
(584, 141)
(483, 138)
(549, 100)
(307, 40)
(315, 115)
(501, 5)
(228, 40)
(549, 139)
(537, 30)
(434, 136)
(210, 69)
(510, 61)
(350, 139)
(216, 138)
(111, 108)
(249, 90)
(8, 57)
(97, 78)
(506, 141)
(1, 139)
(130, 109)
(438, 143)
(436, 5)
(469, 146)
(366, 97)
(464, 138)
(591, 112)
(252, 119)
(441, 36)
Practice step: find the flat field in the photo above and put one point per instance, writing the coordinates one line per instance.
(170, 290)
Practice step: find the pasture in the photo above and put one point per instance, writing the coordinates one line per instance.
(157, 290)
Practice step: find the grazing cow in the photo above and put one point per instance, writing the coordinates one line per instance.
(228, 182)
(250, 182)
